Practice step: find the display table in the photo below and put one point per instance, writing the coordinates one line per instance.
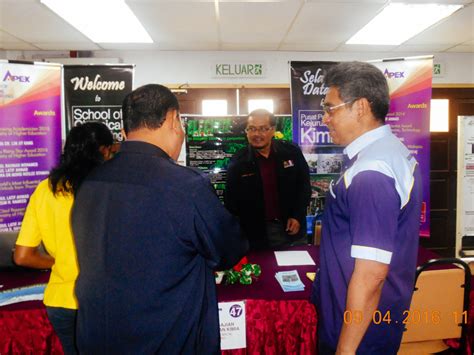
(277, 322)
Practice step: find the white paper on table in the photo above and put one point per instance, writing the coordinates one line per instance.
(232, 325)
(297, 257)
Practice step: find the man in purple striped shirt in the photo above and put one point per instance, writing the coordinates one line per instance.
(371, 220)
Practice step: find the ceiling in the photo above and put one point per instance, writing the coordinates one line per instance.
(240, 25)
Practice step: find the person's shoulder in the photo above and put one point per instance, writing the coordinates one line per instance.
(43, 185)
(42, 193)
(287, 148)
(187, 176)
(43, 188)
(288, 145)
(186, 171)
(241, 153)
(389, 150)
(240, 156)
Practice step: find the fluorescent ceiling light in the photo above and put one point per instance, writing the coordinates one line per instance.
(398, 22)
(103, 21)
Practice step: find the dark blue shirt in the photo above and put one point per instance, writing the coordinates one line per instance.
(149, 234)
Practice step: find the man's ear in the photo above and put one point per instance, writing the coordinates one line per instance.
(363, 107)
(174, 121)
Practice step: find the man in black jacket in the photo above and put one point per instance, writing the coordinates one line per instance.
(268, 186)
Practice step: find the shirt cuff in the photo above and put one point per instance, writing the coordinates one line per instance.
(369, 253)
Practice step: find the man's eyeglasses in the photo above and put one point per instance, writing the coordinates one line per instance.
(263, 129)
(329, 109)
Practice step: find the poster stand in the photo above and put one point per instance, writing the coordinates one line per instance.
(465, 188)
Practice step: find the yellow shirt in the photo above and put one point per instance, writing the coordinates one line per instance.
(47, 219)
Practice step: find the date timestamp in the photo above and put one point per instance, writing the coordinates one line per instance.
(408, 317)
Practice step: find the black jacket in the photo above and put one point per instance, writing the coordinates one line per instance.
(244, 190)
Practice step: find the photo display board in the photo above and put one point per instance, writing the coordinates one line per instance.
(212, 141)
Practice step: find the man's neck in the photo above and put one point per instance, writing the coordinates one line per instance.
(265, 151)
(149, 136)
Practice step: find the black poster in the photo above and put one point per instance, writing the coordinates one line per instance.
(95, 93)
(324, 158)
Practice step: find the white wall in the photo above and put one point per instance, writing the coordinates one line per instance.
(176, 68)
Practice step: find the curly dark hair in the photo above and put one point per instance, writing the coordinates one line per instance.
(81, 154)
(147, 106)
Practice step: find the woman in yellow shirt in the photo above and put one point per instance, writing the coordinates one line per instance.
(47, 218)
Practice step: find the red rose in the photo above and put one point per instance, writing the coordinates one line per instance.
(237, 267)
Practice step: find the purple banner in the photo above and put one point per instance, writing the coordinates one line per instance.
(410, 83)
(30, 134)
(409, 116)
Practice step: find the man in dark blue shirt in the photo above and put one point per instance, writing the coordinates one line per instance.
(149, 235)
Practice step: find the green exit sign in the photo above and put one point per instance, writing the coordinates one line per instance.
(238, 70)
(438, 69)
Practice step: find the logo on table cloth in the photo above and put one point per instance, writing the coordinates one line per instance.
(235, 311)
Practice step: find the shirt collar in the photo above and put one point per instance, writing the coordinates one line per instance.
(143, 148)
(366, 139)
(253, 153)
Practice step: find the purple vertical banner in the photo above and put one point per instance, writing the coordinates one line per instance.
(410, 82)
(30, 134)
(311, 134)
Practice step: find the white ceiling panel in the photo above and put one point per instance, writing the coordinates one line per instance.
(228, 46)
(181, 21)
(17, 46)
(165, 1)
(8, 41)
(6, 37)
(128, 46)
(427, 48)
(308, 46)
(250, 22)
(351, 1)
(165, 46)
(332, 22)
(60, 46)
(33, 22)
(364, 48)
(239, 25)
(467, 47)
(457, 28)
(448, 2)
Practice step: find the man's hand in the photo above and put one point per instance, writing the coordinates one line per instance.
(292, 226)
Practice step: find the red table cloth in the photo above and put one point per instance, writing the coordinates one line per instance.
(277, 322)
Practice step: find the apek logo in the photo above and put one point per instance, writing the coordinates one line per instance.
(20, 78)
(394, 74)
